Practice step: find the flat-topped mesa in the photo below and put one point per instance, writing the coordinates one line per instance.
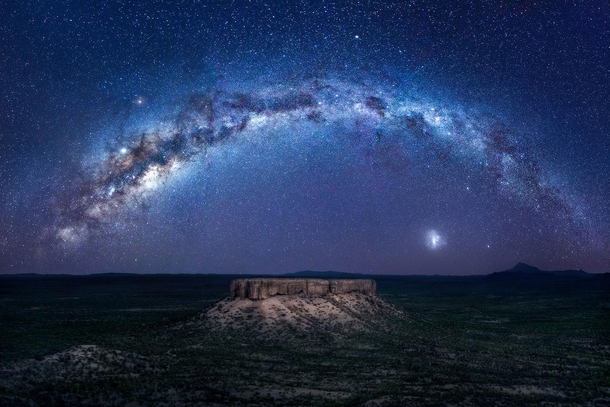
(262, 288)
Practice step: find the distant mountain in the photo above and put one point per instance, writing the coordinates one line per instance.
(324, 274)
(522, 270)
(525, 268)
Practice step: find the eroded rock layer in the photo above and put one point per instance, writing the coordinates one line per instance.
(262, 288)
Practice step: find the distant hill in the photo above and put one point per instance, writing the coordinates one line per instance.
(525, 271)
(524, 268)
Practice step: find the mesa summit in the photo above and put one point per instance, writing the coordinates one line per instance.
(262, 288)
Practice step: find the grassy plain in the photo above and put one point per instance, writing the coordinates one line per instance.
(466, 341)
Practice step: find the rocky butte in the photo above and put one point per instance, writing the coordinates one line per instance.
(279, 307)
(263, 288)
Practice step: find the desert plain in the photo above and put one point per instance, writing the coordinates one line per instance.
(181, 340)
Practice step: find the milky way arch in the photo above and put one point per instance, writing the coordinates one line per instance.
(136, 168)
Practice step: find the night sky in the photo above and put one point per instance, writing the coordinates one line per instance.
(391, 137)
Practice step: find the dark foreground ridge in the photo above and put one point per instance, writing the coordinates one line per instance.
(262, 288)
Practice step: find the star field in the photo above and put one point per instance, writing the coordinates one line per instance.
(249, 137)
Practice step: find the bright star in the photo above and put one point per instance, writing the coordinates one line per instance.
(434, 241)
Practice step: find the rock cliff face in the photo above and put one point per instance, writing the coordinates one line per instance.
(262, 288)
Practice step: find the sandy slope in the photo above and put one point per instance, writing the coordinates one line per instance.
(299, 312)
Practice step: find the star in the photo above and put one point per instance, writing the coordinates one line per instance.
(433, 240)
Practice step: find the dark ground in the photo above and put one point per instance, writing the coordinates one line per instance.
(508, 340)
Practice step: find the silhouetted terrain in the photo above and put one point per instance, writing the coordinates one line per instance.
(512, 338)
(522, 270)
